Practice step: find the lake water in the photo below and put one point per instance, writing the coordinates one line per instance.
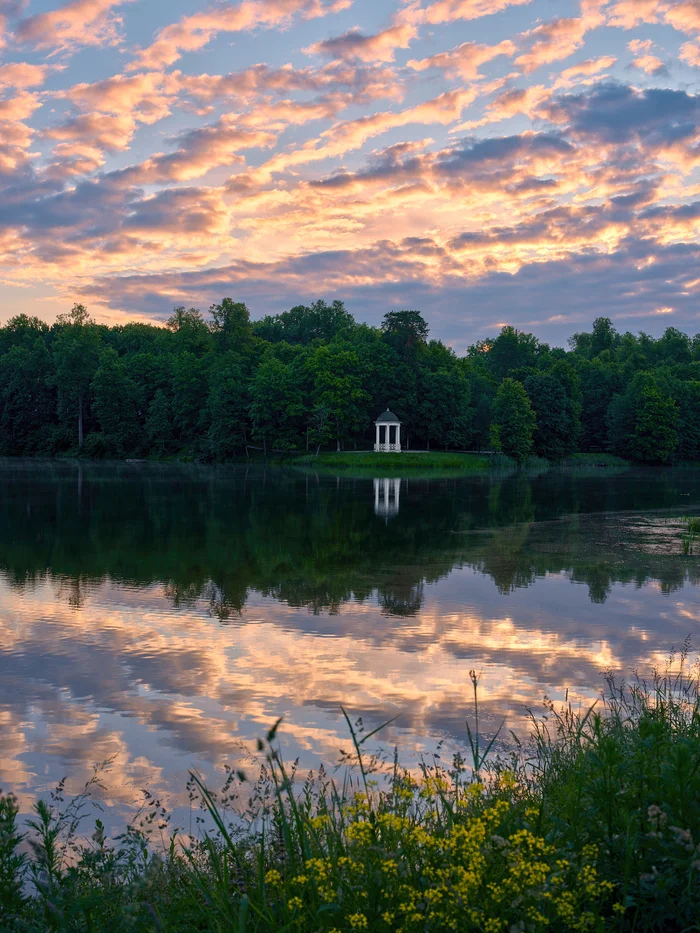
(162, 617)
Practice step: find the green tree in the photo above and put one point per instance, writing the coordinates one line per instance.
(558, 424)
(159, 426)
(512, 351)
(114, 403)
(277, 404)
(303, 325)
(337, 389)
(231, 324)
(444, 414)
(515, 420)
(405, 331)
(76, 354)
(27, 395)
(642, 423)
(229, 403)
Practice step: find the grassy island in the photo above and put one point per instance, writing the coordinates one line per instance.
(593, 825)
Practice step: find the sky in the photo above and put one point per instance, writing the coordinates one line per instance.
(488, 162)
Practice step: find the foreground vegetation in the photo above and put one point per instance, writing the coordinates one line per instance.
(224, 387)
(593, 826)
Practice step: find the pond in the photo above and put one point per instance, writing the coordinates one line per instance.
(162, 617)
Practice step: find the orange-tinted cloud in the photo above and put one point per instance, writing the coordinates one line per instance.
(354, 44)
(465, 60)
(194, 32)
(448, 11)
(78, 23)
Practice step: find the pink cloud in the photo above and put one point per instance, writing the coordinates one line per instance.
(592, 66)
(22, 75)
(194, 32)
(103, 131)
(645, 61)
(148, 96)
(356, 45)
(551, 42)
(685, 16)
(447, 11)
(81, 22)
(465, 60)
(626, 14)
(201, 150)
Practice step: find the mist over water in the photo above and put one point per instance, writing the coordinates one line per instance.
(162, 617)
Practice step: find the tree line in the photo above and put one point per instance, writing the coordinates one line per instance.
(313, 378)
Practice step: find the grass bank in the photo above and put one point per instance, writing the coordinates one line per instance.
(593, 826)
(395, 463)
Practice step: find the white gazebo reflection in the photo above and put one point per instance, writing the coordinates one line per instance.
(386, 497)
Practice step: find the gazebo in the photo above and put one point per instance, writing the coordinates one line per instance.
(388, 428)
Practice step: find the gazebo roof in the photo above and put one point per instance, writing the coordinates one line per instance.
(387, 417)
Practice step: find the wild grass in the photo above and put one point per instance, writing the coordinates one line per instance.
(592, 825)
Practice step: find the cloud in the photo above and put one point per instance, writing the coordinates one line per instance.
(684, 16)
(22, 75)
(645, 61)
(194, 32)
(586, 69)
(201, 150)
(627, 14)
(102, 131)
(356, 45)
(551, 42)
(147, 96)
(448, 11)
(465, 60)
(654, 119)
(79, 23)
(246, 86)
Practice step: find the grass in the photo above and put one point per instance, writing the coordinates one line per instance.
(593, 825)
(689, 536)
(396, 462)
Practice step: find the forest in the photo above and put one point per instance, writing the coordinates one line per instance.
(221, 386)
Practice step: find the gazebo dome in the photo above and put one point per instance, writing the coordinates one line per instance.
(387, 417)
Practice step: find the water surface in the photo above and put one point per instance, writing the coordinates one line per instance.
(162, 617)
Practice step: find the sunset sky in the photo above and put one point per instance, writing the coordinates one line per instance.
(530, 162)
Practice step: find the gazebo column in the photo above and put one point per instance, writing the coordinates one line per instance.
(376, 437)
(398, 437)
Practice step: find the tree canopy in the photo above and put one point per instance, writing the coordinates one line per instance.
(212, 385)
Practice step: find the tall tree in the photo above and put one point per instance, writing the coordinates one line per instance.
(514, 420)
(114, 403)
(277, 404)
(337, 389)
(558, 424)
(405, 331)
(76, 354)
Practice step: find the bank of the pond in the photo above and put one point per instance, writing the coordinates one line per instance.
(400, 462)
(594, 826)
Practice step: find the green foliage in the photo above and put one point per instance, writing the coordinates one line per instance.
(277, 407)
(558, 424)
(642, 423)
(312, 377)
(515, 420)
(159, 427)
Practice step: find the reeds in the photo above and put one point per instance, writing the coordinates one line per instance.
(689, 536)
(593, 824)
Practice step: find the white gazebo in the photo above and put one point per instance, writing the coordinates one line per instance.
(388, 437)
